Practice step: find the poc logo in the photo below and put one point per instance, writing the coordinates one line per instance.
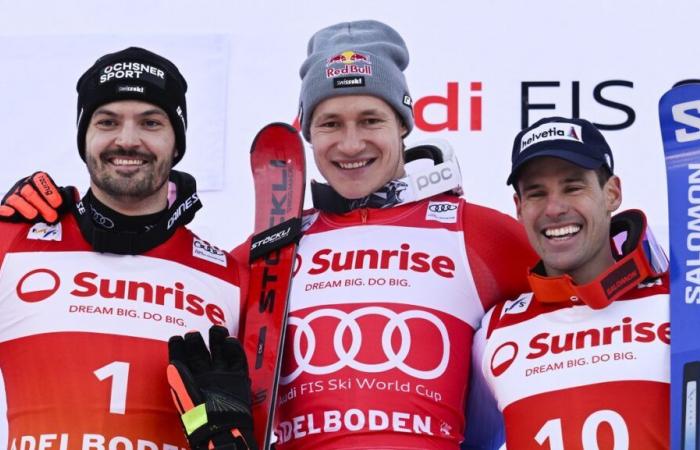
(433, 178)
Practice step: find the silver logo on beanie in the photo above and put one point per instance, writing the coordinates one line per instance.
(139, 89)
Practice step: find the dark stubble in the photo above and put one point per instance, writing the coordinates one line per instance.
(137, 185)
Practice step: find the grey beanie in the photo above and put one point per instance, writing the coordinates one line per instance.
(355, 58)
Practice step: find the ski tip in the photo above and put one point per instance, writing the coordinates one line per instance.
(685, 88)
(274, 127)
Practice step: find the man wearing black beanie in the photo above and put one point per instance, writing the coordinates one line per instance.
(377, 351)
(90, 299)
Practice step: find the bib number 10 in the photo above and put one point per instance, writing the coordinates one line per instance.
(551, 431)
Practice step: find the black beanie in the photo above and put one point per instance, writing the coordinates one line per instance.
(133, 74)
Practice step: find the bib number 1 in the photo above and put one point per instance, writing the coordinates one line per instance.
(119, 372)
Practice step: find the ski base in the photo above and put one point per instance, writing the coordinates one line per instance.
(679, 116)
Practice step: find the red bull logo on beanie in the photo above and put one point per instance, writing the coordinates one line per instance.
(551, 132)
(348, 63)
(348, 57)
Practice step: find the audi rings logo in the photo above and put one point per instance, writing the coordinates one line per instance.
(442, 207)
(348, 322)
(207, 247)
(102, 220)
(37, 285)
(503, 357)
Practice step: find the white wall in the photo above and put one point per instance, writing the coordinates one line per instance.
(241, 60)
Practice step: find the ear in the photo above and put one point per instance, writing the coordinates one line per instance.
(613, 193)
(518, 205)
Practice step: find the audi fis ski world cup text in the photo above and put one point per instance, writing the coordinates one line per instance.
(391, 355)
(444, 111)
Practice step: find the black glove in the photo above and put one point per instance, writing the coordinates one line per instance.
(212, 393)
(36, 198)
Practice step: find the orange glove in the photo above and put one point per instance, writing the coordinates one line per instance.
(36, 198)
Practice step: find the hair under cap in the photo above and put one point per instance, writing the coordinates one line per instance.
(133, 74)
(355, 58)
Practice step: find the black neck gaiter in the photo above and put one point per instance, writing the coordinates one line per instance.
(111, 232)
(325, 198)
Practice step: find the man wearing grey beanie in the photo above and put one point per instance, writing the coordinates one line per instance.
(390, 285)
(391, 282)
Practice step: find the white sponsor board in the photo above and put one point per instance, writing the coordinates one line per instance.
(472, 83)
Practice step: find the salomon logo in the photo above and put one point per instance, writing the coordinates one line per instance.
(686, 114)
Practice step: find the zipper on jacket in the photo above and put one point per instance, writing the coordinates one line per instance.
(363, 215)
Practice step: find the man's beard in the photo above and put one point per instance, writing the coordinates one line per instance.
(138, 185)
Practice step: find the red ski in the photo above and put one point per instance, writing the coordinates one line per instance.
(277, 161)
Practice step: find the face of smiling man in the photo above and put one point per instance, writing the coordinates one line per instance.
(357, 143)
(129, 150)
(566, 214)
